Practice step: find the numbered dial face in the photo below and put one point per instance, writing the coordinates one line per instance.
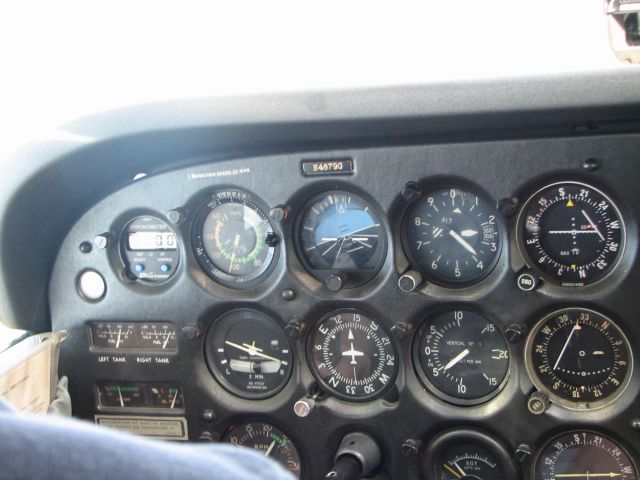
(462, 357)
(341, 231)
(470, 461)
(269, 441)
(249, 354)
(233, 239)
(583, 455)
(114, 335)
(579, 357)
(453, 236)
(352, 356)
(572, 233)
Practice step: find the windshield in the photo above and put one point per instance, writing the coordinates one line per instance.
(64, 60)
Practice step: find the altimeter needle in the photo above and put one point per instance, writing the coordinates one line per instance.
(462, 242)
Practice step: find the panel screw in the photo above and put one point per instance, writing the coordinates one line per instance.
(288, 294)
(279, 213)
(102, 241)
(409, 447)
(635, 424)
(399, 331)
(410, 192)
(208, 415)
(591, 164)
(85, 247)
(189, 333)
(293, 329)
(507, 206)
(335, 282)
(513, 333)
(205, 437)
(523, 452)
(176, 215)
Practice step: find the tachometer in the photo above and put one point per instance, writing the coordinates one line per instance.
(583, 455)
(572, 233)
(269, 441)
(233, 239)
(453, 236)
(352, 356)
(579, 358)
(249, 354)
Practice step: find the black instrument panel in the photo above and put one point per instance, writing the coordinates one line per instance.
(266, 262)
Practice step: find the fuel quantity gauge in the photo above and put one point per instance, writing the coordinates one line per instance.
(157, 336)
(113, 335)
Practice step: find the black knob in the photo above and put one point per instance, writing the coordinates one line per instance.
(293, 329)
(523, 452)
(335, 282)
(410, 192)
(513, 333)
(272, 239)
(358, 455)
(399, 330)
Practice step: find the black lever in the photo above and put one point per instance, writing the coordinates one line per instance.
(357, 456)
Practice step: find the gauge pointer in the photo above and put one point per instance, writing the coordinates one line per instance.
(456, 359)
(459, 469)
(462, 242)
(566, 344)
(592, 224)
(574, 232)
(120, 395)
(175, 397)
(588, 475)
(166, 340)
(251, 350)
(268, 452)
(119, 334)
(468, 233)
(451, 470)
